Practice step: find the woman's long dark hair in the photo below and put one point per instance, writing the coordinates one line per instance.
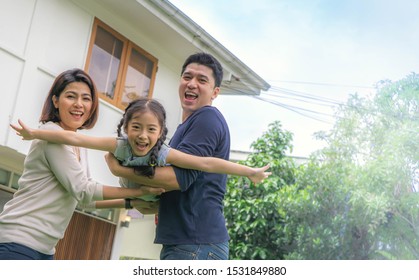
(142, 105)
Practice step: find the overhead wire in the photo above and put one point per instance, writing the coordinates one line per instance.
(296, 109)
(291, 94)
(304, 95)
(284, 93)
(323, 84)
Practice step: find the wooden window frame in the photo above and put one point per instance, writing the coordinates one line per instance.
(128, 46)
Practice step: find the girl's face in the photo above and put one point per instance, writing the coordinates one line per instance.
(143, 131)
(74, 105)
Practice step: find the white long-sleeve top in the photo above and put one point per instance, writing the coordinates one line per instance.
(52, 184)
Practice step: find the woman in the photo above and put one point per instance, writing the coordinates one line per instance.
(56, 177)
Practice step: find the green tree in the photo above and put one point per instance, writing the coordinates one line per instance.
(355, 199)
(251, 211)
(359, 193)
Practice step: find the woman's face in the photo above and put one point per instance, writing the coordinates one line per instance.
(74, 105)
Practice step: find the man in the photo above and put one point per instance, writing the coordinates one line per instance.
(191, 221)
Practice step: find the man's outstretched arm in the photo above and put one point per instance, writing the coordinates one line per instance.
(164, 177)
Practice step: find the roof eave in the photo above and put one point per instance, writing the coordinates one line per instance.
(236, 71)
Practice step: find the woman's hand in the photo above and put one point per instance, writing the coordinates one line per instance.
(259, 174)
(145, 190)
(23, 131)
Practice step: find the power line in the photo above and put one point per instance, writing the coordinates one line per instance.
(305, 95)
(296, 109)
(309, 98)
(284, 93)
(277, 89)
(324, 84)
(292, 95)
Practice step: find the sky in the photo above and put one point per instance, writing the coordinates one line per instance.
(313, 53)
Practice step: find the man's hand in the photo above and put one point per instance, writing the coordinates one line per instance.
(146, 207)
(113, 164)
(164, 177)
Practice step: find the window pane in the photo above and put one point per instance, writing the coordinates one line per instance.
(14, 181)
(105, 61)
(4, 177)
(137, 82)
(4, 197)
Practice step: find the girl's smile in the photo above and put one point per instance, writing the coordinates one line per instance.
(143, 132)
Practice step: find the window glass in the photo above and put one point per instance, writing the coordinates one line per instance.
(138, 77)
(4, 197)
(121, 70)
(15, 179)
(105, 62)
(4, 177)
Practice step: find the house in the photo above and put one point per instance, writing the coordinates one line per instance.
(131, 48)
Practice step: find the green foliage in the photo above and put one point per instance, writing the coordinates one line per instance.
(251, 211)
(354, 199)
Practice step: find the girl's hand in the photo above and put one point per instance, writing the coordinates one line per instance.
(259, 174)
(23, 131)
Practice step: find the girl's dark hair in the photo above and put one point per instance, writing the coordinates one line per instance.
(50, 113)
(142, 105)
(207, 60)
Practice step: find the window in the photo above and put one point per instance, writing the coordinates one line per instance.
(121, 70)
(5, 177)
(9, 179)
(8, 185)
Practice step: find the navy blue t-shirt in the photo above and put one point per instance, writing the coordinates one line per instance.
(194, 215)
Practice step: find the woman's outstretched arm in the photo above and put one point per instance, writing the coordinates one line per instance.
(65, 137)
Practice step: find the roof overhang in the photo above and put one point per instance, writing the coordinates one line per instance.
(168, 26)
(238, 77)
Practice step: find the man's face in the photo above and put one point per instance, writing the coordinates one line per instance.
(196, 88)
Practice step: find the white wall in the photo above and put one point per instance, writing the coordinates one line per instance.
(138, 239)
(50, 37)
(12, 43)
(40, 39)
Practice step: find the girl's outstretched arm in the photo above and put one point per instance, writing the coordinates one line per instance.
(216, 165)
(66, 137)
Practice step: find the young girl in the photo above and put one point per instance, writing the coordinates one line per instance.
(142, 145)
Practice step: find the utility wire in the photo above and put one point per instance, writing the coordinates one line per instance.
(285, 96)
(283, 93)
(323, 84)
(295, 109)
(305, 95)
(302, 111)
